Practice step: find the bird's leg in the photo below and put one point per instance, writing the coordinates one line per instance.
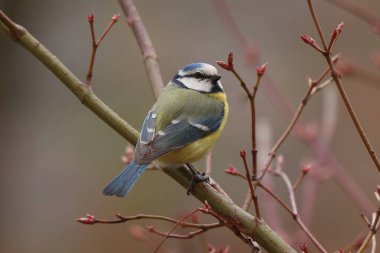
(197, 177)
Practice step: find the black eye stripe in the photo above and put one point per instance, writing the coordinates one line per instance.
(198, 75)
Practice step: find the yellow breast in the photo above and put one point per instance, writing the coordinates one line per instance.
(199, 148)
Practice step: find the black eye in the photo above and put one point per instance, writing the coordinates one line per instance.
(198, 75)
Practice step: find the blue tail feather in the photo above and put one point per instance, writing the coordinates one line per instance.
(123, 182)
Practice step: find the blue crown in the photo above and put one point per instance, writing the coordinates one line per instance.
(193, 66)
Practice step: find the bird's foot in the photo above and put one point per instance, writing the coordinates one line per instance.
(197, 177)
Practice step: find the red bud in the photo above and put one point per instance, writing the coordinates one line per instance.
(306, 169)
(230, 60)
(307, 39)
(230, 63)
(243, 153)
(223, 65)
(88, 220)
(337, 31)
(90, 18)
(116, 17)
(261, 70)
(231, 171)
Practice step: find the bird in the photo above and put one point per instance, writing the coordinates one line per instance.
(181, 127)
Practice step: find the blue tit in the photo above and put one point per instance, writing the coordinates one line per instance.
(182, 126)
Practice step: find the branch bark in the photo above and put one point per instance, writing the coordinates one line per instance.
(236, 217)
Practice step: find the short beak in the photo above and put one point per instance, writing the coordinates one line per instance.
(216, 78)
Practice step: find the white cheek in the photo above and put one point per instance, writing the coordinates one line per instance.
(195, 84)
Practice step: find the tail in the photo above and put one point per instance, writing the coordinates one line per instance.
(123, 182)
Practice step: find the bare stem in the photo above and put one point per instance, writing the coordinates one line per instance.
(372, 231)
(122, 219)
(289, 186)
(341, 177)
(178, 236)
(248, 177)
(318, 27)
(243, 84)
(299, 180)
(96, 43)
(172, 229)
(247, 200)
(146, 46)
(342, 91)
(352, 113)
(288, 130)
(294, 210)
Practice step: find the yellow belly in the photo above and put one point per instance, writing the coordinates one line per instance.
(199, 148)
(191, 152)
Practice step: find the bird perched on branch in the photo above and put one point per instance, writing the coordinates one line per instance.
(181, 127)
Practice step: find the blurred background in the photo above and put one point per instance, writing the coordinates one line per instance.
(56, 156)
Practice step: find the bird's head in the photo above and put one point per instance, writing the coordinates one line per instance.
(201, 77)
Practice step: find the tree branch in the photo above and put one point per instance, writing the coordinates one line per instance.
(220, 204)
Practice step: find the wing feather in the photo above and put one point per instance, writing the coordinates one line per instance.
(178, 134)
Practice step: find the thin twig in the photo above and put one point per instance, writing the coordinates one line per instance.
(275, 197)
(243, 84)
(295, 216)
(313, 87)
(96, 43)
(318, 27)
(248, 199)
(289, 186)
(365, 219)
(304, 171)
(341, 177)
(251, 97)
(288, 130)
(171, 230)
(294, 210)
(90, 219)
(248, 177)
(178, 236)
(146, 46)
(372, 231)
(340, 87)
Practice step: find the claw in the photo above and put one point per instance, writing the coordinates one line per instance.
(198, 177)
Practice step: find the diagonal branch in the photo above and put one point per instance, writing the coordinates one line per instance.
(220, 204)
(338, 82)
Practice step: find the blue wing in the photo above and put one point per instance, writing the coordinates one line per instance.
(148, 129)
(178, 134)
